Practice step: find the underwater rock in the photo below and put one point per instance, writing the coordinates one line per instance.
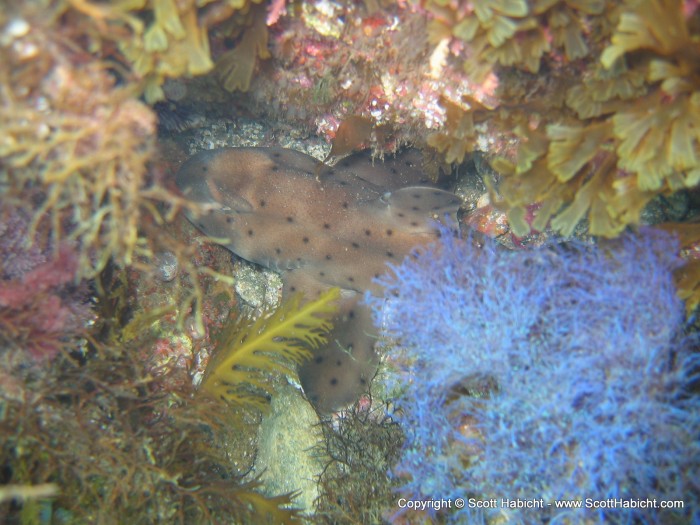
(287, 458)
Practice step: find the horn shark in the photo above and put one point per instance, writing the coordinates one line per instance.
(320, 226)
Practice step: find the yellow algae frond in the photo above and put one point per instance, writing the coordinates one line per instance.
(657, 25)
(628, 132)
(172, 43)
(513, 32)
(572, 147)
(235, 68)
(459, 136)
(248, 353)
(604, 91)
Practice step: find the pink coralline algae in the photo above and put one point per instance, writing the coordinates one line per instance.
(42, 309)
(334, 61)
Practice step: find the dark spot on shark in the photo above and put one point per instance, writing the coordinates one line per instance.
(262, 203)
(319, 359)
(355, 245)
(345, 205)
(389, 233)
(368, 233)
(326, 226)
(250, 233)
(306, 240)
(278, 251)
(229, 220)
(275, 168)
(290, 219)
(333, 381)
(329, 257)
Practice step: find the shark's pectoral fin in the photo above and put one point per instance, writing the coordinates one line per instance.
(414, 209)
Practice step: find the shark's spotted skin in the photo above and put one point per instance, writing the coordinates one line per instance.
(319, 226)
